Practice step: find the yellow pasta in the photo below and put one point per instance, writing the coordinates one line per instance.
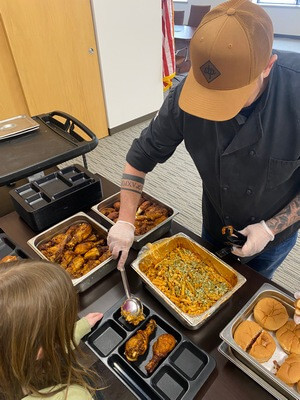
(189, 282)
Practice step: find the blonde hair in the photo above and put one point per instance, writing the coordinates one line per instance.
(38, 306)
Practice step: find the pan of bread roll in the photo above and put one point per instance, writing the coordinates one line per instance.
(265, 338)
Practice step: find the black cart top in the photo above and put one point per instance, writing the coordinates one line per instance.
(53, 143)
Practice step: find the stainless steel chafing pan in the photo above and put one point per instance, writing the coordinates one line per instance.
(163, 247)
(94, 275)
(150, 236)
(267, 290)
(230, 354)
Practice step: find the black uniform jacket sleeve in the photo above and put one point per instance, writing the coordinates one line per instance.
(159, 140)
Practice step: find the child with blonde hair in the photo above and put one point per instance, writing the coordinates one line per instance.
(39, 334)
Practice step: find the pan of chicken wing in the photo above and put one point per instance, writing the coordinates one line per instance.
(153, 217)
(79, 245)
(153, 359)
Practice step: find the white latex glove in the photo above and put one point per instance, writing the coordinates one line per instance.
(258, 236)
(297, 317)
(120, 238)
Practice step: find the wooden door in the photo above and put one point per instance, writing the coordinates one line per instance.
(12, 99)
(54, 51)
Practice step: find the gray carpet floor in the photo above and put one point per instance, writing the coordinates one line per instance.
(172, 183)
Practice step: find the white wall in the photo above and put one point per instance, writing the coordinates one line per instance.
(286, 20)
(129, 39)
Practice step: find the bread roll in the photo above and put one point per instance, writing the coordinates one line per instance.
(288, 337)
(246, 333)
(297, 307)
(263, 348)
(289, 372)
(270, 314)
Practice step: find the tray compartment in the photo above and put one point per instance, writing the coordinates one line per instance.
(79, 178)
(94, 275)
(56, 196)
(6, 247)
(27, 191)
(189, 360)
(266, 290)
(9, 248)
(107, 337)
(150, 236)
(135, 382)
(162, 248)
(38, 200)
(121, 320)
(142, 361)
(53, 184)
(70, 172)
(169, 384)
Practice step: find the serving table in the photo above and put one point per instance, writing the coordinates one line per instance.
(226, 381)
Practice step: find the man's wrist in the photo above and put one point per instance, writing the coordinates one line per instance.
(126, 222)
(267, 229)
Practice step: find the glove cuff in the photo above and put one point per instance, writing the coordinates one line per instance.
(267, 229)
(125, 222)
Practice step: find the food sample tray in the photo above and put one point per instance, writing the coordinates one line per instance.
(161, 249)
(232, 356)
(9, 248)
(48, 200)
(264, 370)
(150, 236)
(51, 144)
(178, 377)
(94, 275)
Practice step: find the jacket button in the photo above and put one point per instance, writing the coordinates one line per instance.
(252, 153)
(225, 188)
(249, 192)
(252, 219)
(227, 217)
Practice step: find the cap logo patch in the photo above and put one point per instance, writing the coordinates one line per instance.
(209, 71)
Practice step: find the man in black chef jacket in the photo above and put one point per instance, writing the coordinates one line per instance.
(239, 116)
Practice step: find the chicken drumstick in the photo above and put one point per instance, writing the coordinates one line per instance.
(161, 348)
(137, 344)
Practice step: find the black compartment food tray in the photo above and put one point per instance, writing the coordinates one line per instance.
(53, 143)
(178, 377)
(48, 200)
(9, 248)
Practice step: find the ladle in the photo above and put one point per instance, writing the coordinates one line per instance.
(132, 305)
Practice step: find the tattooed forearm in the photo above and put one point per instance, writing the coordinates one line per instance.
(286, 217)
(132, 183)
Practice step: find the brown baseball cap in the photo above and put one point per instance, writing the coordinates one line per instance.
(229, 50)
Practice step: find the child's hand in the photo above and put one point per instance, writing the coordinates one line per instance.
(92, 318)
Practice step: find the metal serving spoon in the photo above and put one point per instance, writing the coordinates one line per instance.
(132, 305)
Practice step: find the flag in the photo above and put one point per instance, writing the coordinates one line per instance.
(168, 51)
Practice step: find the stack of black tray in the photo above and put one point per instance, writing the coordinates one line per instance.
(178, 377)
(48, 200)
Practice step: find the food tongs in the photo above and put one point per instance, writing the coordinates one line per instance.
(233, 238)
